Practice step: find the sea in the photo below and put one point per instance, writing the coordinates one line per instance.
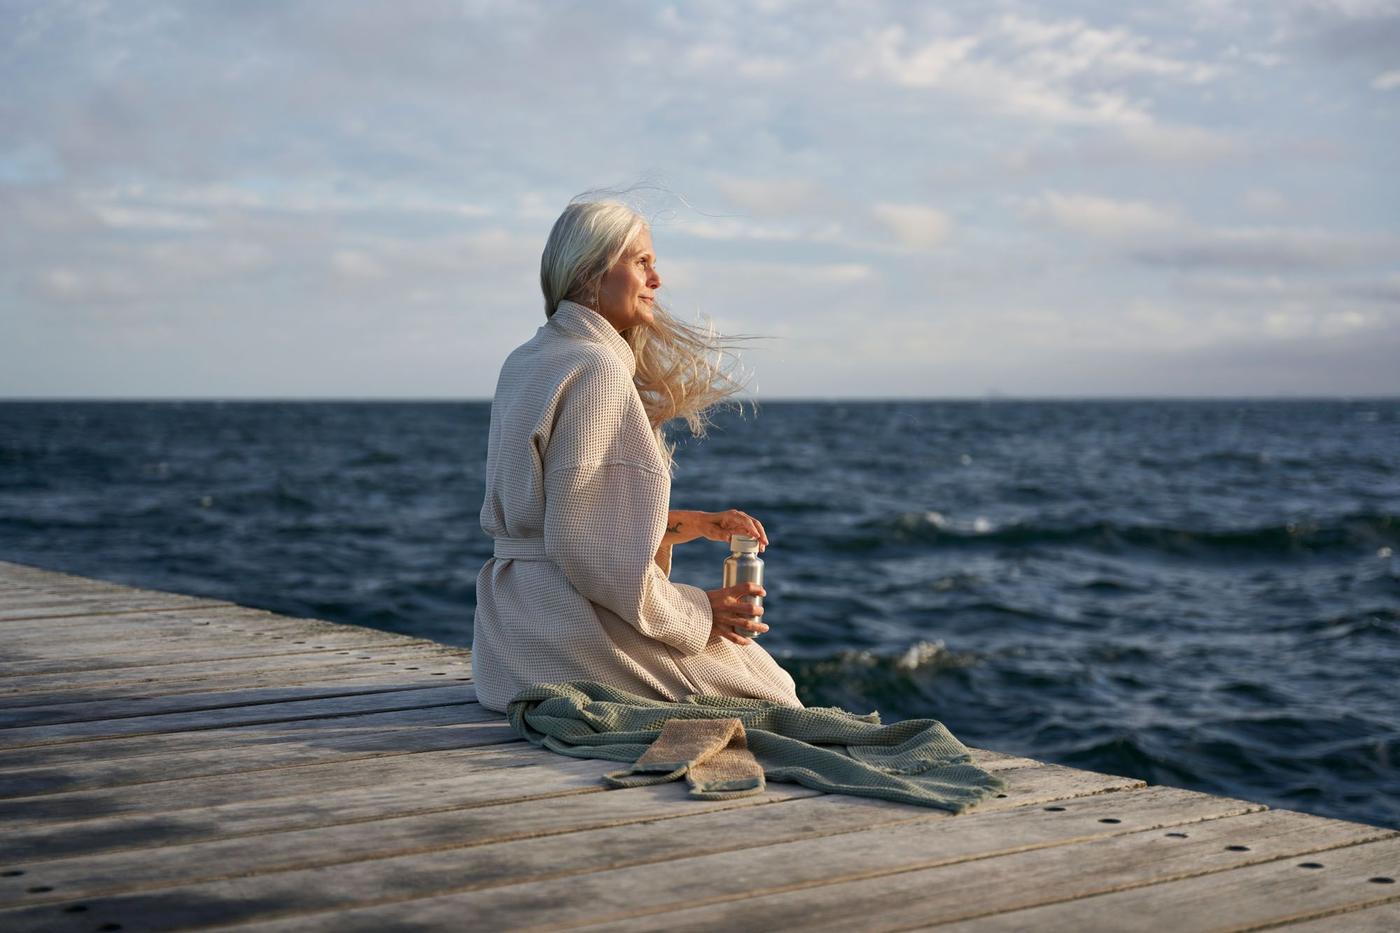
(1200, 593)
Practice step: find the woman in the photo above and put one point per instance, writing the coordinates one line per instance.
(578, 489)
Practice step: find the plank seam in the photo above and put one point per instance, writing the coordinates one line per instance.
(201, 607)
(1323, 915)
(484, 747)
(206, 660)
(167, 690)
(1130, 886)
(228, 725)
(213, 677)
(425, 685)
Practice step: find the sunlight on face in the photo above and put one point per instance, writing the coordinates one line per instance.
(628, 290)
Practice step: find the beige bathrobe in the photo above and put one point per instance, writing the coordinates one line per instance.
(577, 493)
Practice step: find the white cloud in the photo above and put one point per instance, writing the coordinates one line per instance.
(356, 264)
(147, 218)
(1270, 248)
(1181, 143)
(1068, 48)
(1386, 80)
(772, 197)
(1098, 216)
(1264, 201)
(1060, 72)
(915, 225)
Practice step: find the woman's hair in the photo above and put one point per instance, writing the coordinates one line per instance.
(683, 370)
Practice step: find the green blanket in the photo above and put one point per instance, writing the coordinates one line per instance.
(916, 761)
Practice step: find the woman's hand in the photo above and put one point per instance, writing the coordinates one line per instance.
(683, 526)
(731, 607)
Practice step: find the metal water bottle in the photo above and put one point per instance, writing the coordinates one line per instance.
(743, 565)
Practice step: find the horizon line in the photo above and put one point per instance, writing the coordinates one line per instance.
(850, 399)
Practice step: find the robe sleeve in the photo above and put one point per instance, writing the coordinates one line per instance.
(607, 496)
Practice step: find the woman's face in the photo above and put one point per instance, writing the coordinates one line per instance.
(628, 289)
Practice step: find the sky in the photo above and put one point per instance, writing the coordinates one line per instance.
(954, 200)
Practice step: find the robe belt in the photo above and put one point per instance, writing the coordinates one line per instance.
(520, 548)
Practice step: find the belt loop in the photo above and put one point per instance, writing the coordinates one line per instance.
(520, 548)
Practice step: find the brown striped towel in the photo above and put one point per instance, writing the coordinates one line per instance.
(712, 754)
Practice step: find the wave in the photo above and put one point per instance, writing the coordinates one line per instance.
(1373, 530)
(858, 678)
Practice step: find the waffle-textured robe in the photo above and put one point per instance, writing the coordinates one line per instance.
(577, 493)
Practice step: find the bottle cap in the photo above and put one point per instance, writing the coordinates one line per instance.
(743, 544)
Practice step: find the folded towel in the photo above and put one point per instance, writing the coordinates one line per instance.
(711, 753)
(915, 761)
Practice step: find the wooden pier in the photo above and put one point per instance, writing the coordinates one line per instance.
(172, 763)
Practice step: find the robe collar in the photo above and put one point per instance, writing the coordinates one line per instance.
(579, 321)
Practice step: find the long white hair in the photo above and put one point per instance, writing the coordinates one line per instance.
(683, 370)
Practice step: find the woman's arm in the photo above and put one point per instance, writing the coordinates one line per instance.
(683, 526)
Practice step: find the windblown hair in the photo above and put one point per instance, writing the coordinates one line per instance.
(683, 370)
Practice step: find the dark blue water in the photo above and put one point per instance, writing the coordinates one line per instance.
(1203, 594)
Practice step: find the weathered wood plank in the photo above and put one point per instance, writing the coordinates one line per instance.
(332, 732)
(1246, 898)
(869, 888)
(328, 744)
(1384, 918)
(93, 657)
(237, 716)
(290, 665)
(392, 664)
(367, 679)
(282, 814)
(92, 604)
(77, 636)
(673, 828)
(168, 796)
(59, 633)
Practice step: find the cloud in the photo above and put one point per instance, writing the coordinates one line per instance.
(1104, 217)
(1264, 201)
(1386, 80)
(915, 225)
(1270, 248)
(1056, 71)
(1181, 143)
(771, 197)
(1347, 30)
